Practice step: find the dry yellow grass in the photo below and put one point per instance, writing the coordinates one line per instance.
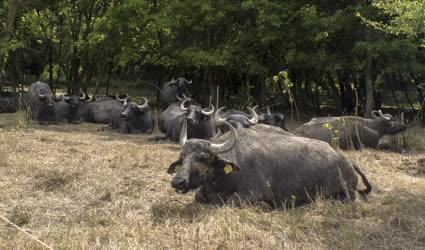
(75, 187)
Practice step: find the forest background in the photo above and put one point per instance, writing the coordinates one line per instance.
(318, 55)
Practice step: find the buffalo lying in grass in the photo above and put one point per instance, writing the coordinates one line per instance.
(134, 118)
(351, 131)
(264, 164)
(41, 101)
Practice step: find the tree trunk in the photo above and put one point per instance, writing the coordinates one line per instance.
(369, 86)
(12, 8)
(336, 93)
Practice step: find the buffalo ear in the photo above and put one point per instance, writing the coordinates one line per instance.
(175, 166)
(226, 166)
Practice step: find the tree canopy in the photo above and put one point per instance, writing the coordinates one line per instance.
(329, 49)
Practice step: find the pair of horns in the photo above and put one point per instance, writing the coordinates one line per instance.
(182, 99)
(216, 148)
(379, 115)
(208, 113)
(222, 121)
(121, 99)
(145, 103)
(174, 81)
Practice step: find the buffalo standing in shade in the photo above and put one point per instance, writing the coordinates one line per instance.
(264, 164)
(351, 131)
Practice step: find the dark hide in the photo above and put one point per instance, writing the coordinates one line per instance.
(273, 119)
(288, 172)
(174, 88)
(68, 109)
(134, 119)
(8, 102)
(102, 112)
(41, 101)
(349, 131)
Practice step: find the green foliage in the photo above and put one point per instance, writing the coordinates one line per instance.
(406, 18)
(319, 43)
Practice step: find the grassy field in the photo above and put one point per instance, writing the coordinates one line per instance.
(75, 187)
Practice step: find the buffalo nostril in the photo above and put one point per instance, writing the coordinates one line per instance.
(191, 120)
(178, 183)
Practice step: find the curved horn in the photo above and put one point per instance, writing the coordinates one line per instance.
(120, 99)
(185, 97)
(254, 119)
(125, 101)
(41, 95)
(209, 112)
(182, 107)
(385, 117)
(218, 119)
(82, 95)
(227, 145)
(375, 114)
(189, 82)
(183, 134)
(268, 110)
(179, 98)
(145, 103)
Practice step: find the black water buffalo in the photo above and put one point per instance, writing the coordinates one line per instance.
(102, 111)
(236, 119)
(264, 164)
(134, 118)
(41, 101)
(175, 88)
(69, 108)
(275, 119)
(101, 98)
(201, 123)
(8, 102)
(165, 119)
(351, 131)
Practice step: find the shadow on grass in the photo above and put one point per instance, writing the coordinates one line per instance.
(176, 210)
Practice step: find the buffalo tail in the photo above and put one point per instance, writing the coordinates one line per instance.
(364, 179)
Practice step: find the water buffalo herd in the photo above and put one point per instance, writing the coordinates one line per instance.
(234, 156)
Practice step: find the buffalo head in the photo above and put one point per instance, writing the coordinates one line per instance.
(48, 99)
(74, 101)
(237, 120)
(199, 159)
(273, 119)
(387, 123)
(194, 113)
(180, 83)
(132, 109)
